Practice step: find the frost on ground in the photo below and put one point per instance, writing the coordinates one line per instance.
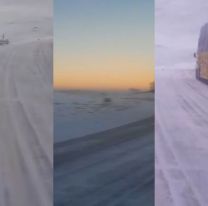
(78, 113)
(26, 139)
(181, 139)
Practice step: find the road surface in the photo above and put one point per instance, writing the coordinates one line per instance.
(26, 138)
(25, 126)
(111, 168)
(181, 139)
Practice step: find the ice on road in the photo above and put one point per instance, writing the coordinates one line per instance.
(181, 139)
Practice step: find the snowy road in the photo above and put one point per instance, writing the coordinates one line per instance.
(181, 139)
(25, 134)
(111, 168)
(26, 138)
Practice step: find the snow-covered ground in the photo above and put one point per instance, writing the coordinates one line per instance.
(177, 28)
(181, 139)
(114, 167)
(26, 138)
(78, 113)
(104, 149)
(181, 105)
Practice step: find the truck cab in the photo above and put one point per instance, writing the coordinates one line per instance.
(202, 55)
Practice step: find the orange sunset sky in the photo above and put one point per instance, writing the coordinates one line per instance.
(103, 45)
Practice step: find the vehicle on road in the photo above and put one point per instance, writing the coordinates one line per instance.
(3, 41)
(202, 55)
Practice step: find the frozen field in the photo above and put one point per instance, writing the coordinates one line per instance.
(78, 113)
(104, 150)
(181, 139)
(26, 138)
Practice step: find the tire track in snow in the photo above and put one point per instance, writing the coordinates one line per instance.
(180, 130)
(25, 167)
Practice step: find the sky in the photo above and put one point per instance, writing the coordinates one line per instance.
(103, 44)
(177, 29)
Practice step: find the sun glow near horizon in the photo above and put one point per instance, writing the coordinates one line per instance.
(103, 45)
(112, 74)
